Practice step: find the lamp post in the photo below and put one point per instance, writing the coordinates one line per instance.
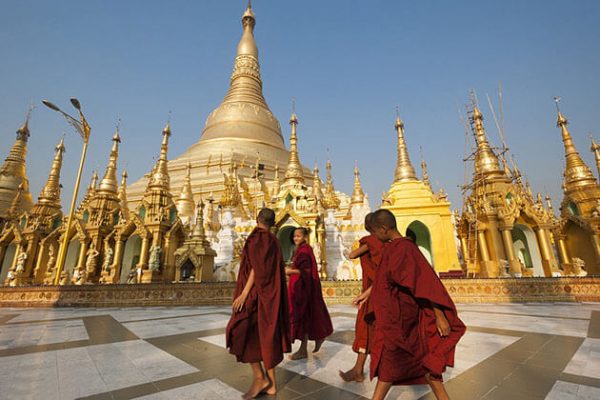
(83, 128)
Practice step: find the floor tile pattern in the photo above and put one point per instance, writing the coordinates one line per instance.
(510, 351)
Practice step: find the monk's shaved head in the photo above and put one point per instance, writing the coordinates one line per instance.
(266, 216)
(369, 221)
(383, 218)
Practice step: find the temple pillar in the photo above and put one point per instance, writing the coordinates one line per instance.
(514, 264)
(563, 254)
(544, 245)
(39, 271)
(486, 269)
(115, 269)
(80, 268)
(596, 243)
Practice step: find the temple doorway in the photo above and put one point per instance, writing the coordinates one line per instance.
(418, 232)
(9, 256)
(131, 256)
(527, 250)
(72, 257)
(187, 270)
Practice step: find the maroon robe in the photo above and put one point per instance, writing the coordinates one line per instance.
(407, 344)
(260, 332)
(308, 312)
(363, 330)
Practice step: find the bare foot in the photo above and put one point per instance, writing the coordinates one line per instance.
(258, 386)
(318, 344)
(271, 391)
(352, 376)
(299, 355)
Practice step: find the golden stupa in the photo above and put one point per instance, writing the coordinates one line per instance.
(241, 132)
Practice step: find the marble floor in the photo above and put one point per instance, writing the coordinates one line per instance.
(510, 351)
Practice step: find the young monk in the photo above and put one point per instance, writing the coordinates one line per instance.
(258, 330)
(417, 326)
(370, 252)
(308, 313)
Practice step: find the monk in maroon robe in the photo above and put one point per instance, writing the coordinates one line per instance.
(308, 313)
(258, 330)
(370, 252)
(416, 323)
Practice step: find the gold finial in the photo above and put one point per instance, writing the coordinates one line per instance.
(122, 195)
(108, 184)
(50, 194)
(358, 196)
(425, 174)
(160, 174)
(317, 182)
(330, 200)
(15, 206)
(576, 173)
(185, 202)
(596, 150)
(404, 168)
(198, 232)
(486, 161)
(549, 204)
(294, 174)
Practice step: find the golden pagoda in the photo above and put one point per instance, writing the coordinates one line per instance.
(579, 231)
(14, 185)
(27, 236)
(421, 213)
(188, 218)
(503, 229)
(241, 130)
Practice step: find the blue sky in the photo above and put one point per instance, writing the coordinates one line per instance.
(348, 64)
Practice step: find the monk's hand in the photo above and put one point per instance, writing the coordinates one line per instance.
(288, 271)
(442, 324)
(361, 299)
(238, 303)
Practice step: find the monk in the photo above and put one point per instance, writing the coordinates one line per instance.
(416, 323)
(258, 331)
(308, 313)
(370, 252)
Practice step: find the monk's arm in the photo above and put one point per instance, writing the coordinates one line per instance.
(360, 300)
(238, 303)
(292, 271)
(441, 322)
(358, 252)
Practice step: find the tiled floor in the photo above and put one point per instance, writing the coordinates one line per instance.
(511, 351)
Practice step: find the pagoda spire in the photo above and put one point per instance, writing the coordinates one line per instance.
(50, 194)
(404, 168)
(109, 184)
(13, 175)
(244, 112)
(160, 172)
(246, 83)
(486, 161)
(330, 199)
(358, 196)
(293, 173)
(122, 195)
(317, 191)
(185, 202)
(425, 174)
(596, 150)
(576, 173)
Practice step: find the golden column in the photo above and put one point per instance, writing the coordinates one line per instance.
(515, 266)
(84, 129)
(483, 251)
